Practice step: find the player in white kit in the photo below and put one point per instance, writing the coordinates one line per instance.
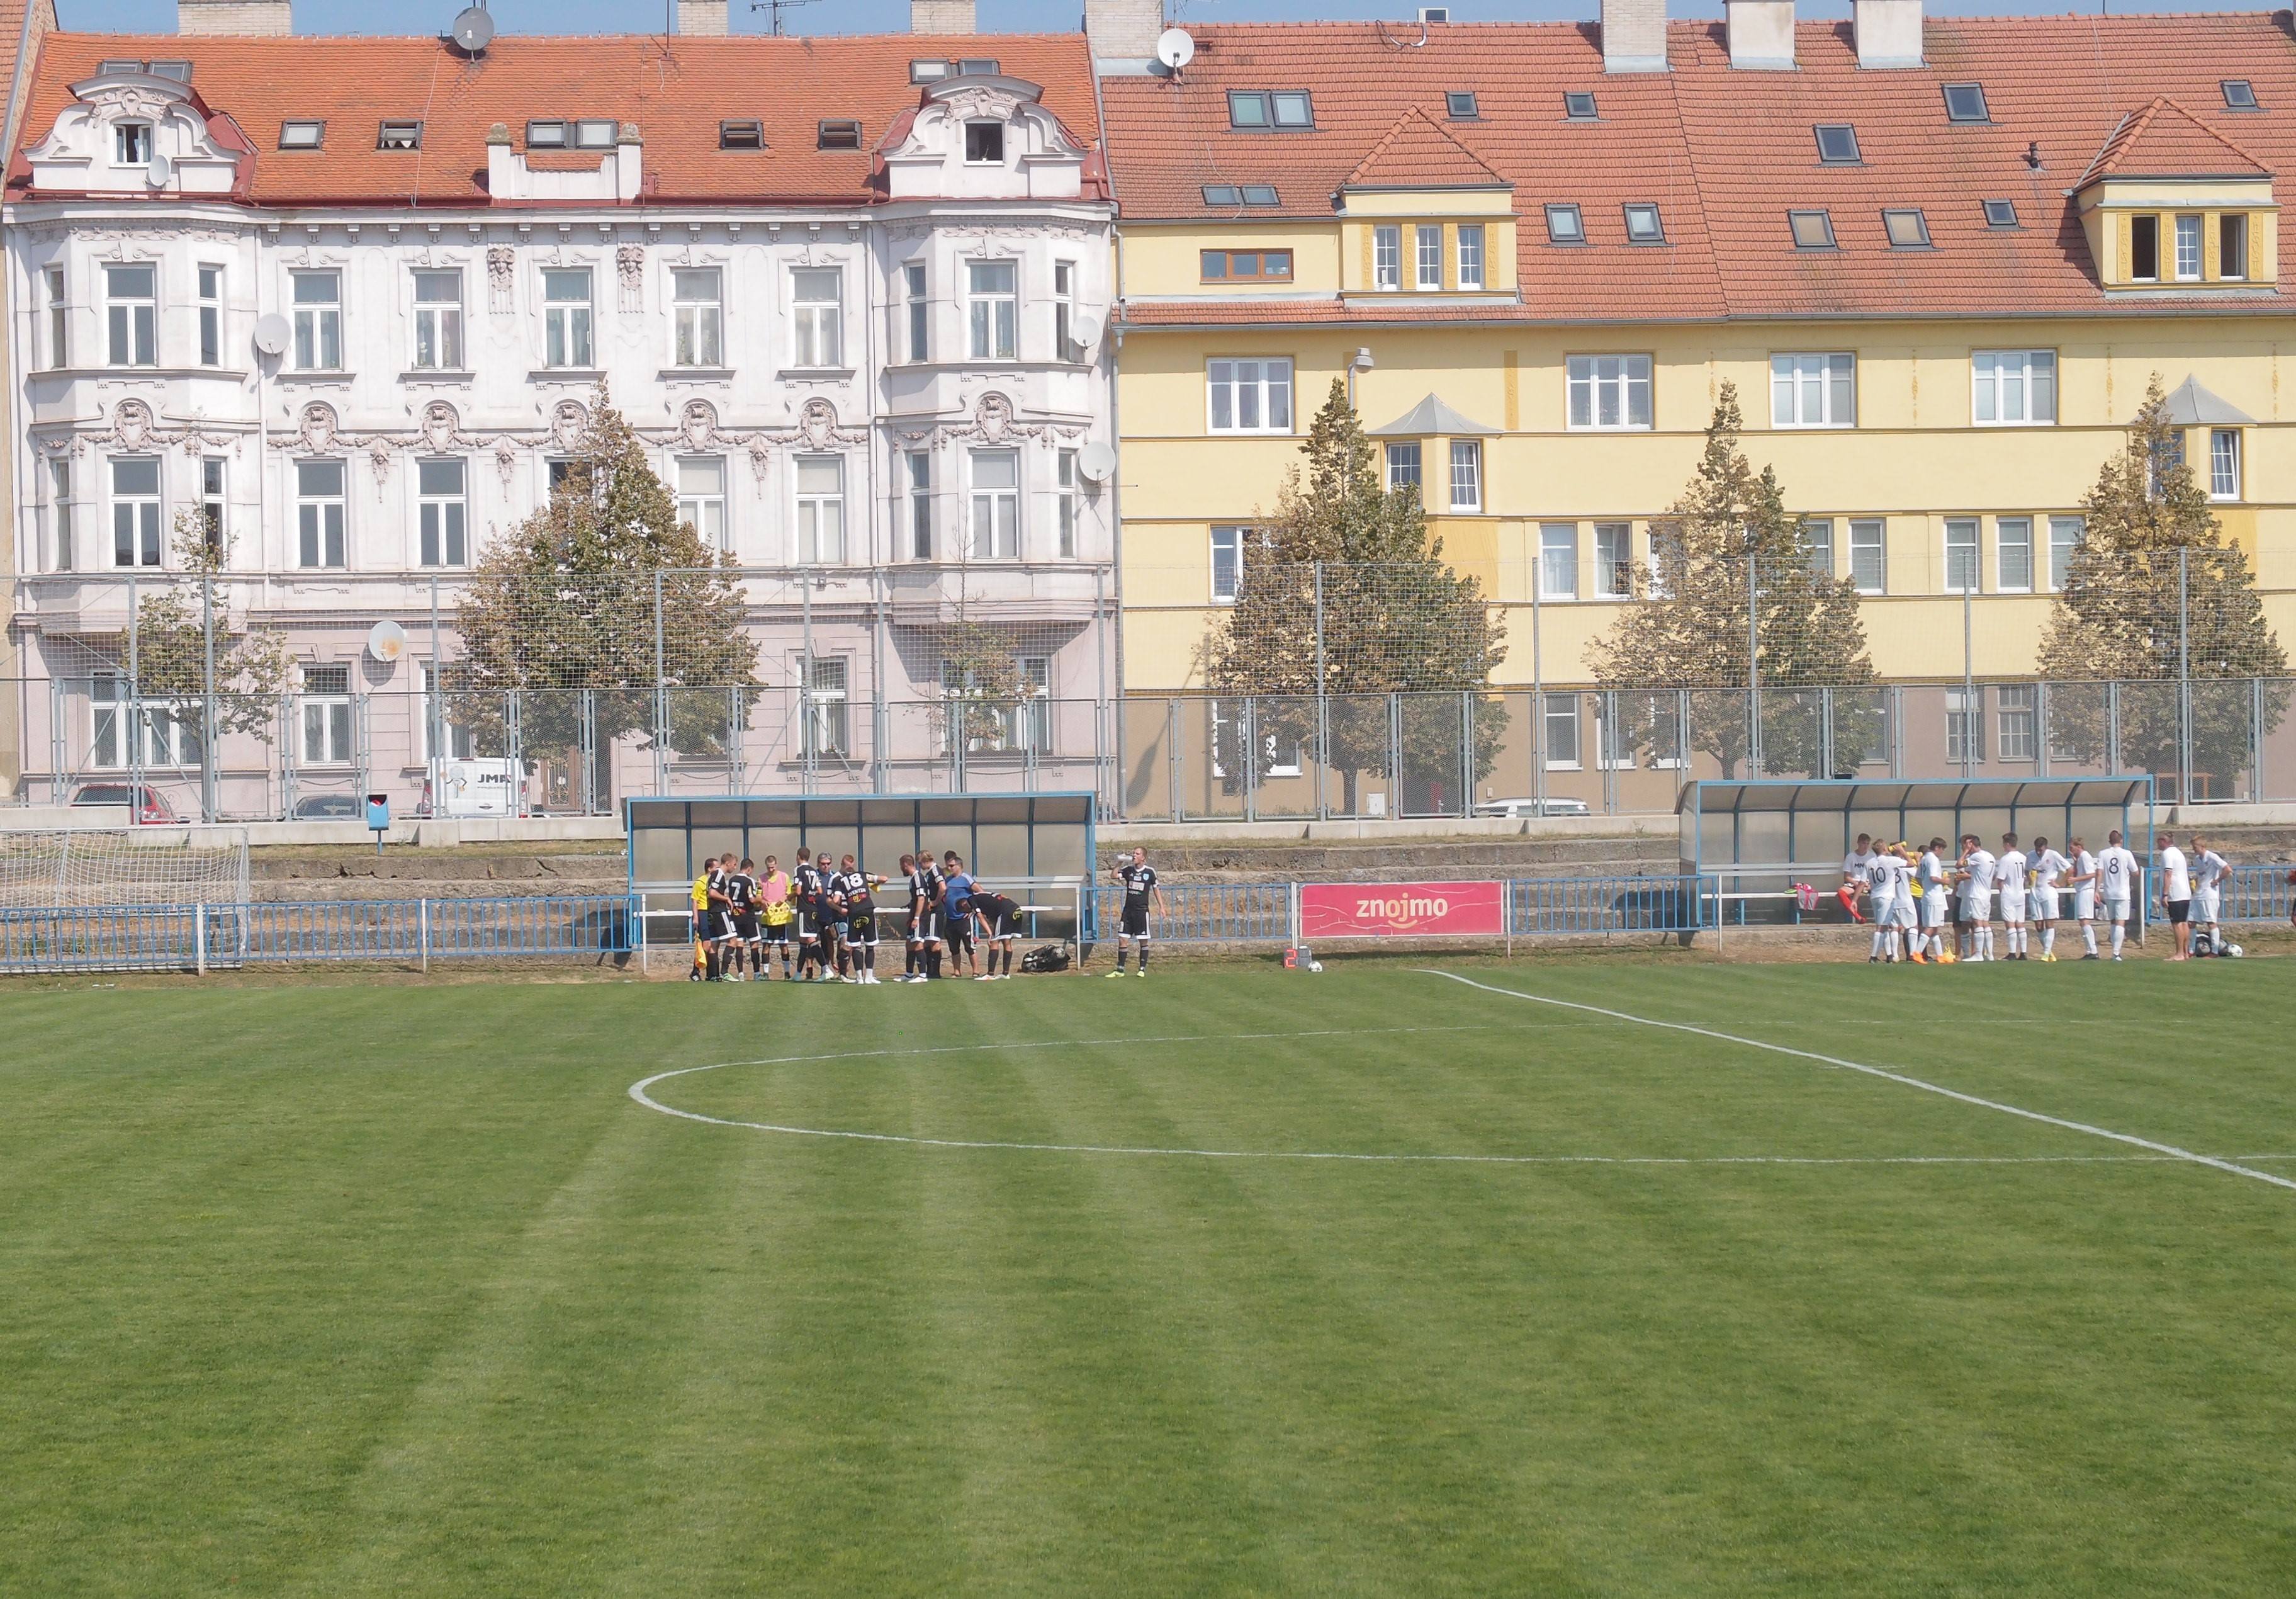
(2011, 873)
(1909, 905)
(1934, 895)
(2083, 881)
(2116, 881)
(2176, 895)
(1882, 871)
(1978, 869)
(2049, 869)
(2210, 870)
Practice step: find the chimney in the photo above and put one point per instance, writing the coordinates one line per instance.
(1634, 35)
(1123, 33)
(1762, 35)
(1889, 33)
(704, 18)
(941, 16)
(234, 16)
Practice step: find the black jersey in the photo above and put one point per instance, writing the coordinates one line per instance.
(717, 885)
(936, 884)
(805, 886)
(921, 896)
(742, 890)
(1138, 882)
(853, 887)
(999, 910)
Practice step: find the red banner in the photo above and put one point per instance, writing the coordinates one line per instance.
(1393, 910)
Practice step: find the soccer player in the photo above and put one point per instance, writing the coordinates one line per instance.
(1853, 875)
(741, 905)
(2176, 895)
(1881, 869)
(2116, 881)
(921, 917)
(2210, 870)
(1139, 880)
(2083, 881)
(1909, 905)
(773, 895)
(1978, 869)
(704, 960)
(833, 919)
(1936, 899)
(956, 914)
(719, 921)
(806, 889)
(2012, 873)
(2049, 869)
(999, 920)
(856, 891)
(937, 901)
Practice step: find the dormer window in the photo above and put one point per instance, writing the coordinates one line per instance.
(2239, 94)
(545, 135)
(301, 136)
(399, 135)
(1460, 106)
(839, 133)
(1578, 105)
(131, 144)
(1965, 103)
(984, 144)
(1837, 144)
(930, 69)
(745, 133)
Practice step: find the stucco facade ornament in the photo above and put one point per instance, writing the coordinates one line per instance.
(501, 272)
(981, 103)
(992, 417)
(630, 268)
(315, 429)
(697, 424)
(131, 425)
(817, 423)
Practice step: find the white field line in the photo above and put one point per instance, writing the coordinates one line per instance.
(638, 1091)
(2169, 1151)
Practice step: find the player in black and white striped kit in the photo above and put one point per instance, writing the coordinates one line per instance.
(924, 918)
(1140, 891)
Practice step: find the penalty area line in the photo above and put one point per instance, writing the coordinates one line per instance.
(1886, 1075)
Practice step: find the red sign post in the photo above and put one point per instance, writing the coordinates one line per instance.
(1401, 910)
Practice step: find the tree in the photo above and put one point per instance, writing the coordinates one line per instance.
(2154, 594)
(173, 625)
(1730, 530)
(1343, 594)
(572, 598)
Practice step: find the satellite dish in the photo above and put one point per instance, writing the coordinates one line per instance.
(272, 333)
(386, 642)
(160, 171)
(1085, 329)
(1097, 462)
(473, 29)
(1176, 47)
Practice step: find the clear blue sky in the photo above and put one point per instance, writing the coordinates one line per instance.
(891, 16)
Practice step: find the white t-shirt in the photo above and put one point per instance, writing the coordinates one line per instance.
(1932, 872)
(2051, 866)
(1980, 868)
(2175, 882)
(2010, 873)
(2116, 874)
(1854, 865)
(2209, 871)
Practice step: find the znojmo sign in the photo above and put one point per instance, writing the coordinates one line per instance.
(1391, 910)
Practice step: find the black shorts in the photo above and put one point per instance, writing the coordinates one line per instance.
(924, 926)
(1000, 927)
(721, 926)
(960, 933)
(861, 928)
(2180, 911)
(807, 925)
(777, 932)
(1135, 924)
(745, 926)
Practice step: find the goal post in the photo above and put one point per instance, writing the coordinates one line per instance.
(116, 899)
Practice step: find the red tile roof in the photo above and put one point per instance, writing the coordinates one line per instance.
(1416, 154)
(1724, 154)
(2165, 140)
(677, 90)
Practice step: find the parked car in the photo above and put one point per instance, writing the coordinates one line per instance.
(329, 808)
(143, 805)
(1554, 804)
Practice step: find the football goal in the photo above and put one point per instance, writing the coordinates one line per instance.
(110, 898)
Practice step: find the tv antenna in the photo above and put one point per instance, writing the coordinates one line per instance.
(776, 7)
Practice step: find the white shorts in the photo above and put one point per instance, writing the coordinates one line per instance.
(2205, 905)
(1977, 904)
(1933, 908)
(2047, 907)
(2012, 908)
(2085, 905)
(2116, 910)
(1881, 909)
(1909, 911)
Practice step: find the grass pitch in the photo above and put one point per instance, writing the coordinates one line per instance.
(322, 1288)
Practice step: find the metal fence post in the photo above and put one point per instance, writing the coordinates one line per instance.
(207, 714)
(2256, 740)
(1466, 752)
(1394, 753)
(434, 706)
(1537, 730)
(133, 729)
(1753, 669)
(2184, 678)
(661, 698)
(1825, 731)
(2112, 726)
(1248, 754)
(1973, 725)
(423, 936)
(1172, 755)
(199, 940)
(1323, 701)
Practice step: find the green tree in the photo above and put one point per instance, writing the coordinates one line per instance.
(1730, 531)
(1395, 619)
(252, 667)
(2155, 592)
(571, 598)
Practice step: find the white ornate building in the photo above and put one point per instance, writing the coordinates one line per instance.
(849, 290)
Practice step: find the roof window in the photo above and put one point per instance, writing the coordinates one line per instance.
(1578, 105)
(929, 69)
(545, 135)
(1642, 224)
(180, 70)
(979, 66)
(1812, 230)
(1260, 194)
(1223, 194)
(741, 133)
(2239, 94)
(1907, 229)
(595, 133)
(1564, 225)
(1837, 144)
(839, 133)
(1965, 103)
(2001, 213)
(1459, 105)
(1256, 111)
(107, 68)
(398, 136)
(301, 136)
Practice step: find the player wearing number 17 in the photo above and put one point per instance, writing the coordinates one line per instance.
(1140, 891)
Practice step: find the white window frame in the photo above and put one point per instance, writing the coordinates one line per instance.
(2223, 463)
(1963, 556)
(63, 533)
(2016, 723)
(327, 735)
(828, 705)
(214, 502)
(919, 495)
(442, 517)
(1065, 346)
(992, 309)
(2144, 220)
(1964, 726)
(1558, 561)
(569, 325)
(131, 321)
(1471, 255)
(987, 138)
(1427, 257)
(59, 287)
(2190, 253)
(210, 279)
(131, 144)
(1405, 465)
(162, 731)
(1228, 546)
(992, 521)
(817, 324)
(138, 515)
(1615, 561)
(1997, 376)
(318, 323)
(1869, 555)
(1068, 503)
(461, 745)
(2012, 554)
(1387, 257)
(1620, 380)
(2066, 536)
(1816, 534)
(1467, 476)
(438, 323)
(1261, 384)
(704, 506)
(917, 297)
(697, 334)
(818, 514)
(1815, 388)
(1560, 708)
(2232, 265)
(322, 541)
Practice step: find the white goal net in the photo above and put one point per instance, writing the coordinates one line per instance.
(99, 868)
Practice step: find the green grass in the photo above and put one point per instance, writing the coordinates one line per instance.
(316, 1288)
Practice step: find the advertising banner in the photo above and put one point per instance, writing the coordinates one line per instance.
(1395, 910)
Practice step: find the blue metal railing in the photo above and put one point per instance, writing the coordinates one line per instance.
(1205, 913)
(2257, 894)
(1604, 905)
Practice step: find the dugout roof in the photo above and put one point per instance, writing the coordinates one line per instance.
(1002, 837)
(1732, 825)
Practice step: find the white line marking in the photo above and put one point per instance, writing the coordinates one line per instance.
(2169, 1149)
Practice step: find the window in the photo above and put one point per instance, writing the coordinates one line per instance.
(1907, 229)
(442, 512)
(131, 294)
(1223, 194)
(2064, 539)
(1459, 105)
(1065, 500)
(820, 324)
(1564, 225)
(2223, 463)
(2001, 213)
(167, 735)
(210, 315)
(1227, 562)
(566, 317)
(1817, 545)
(1249, 266)
(1403, 466)
(1558, 561)
(327, 715)
(1812, 230)
(2239, 94)
(838, 133)
(438, 322)
(321, 505)
(993, 306)
(2014, 386)
(2012, 554)
(398, 136)
(928, 71)
(595, 133)
(2144, 249)
(1065, 344)
(741, 134)
(545, 135)
(1642, 227)
(1814, 390)
(827, 722)
(1965, 103)
(1471, 255)
(979, 66)
(820, 510)
(984, 144)
(1247, 111)
(214, 505)
(920, 307)
(701, 498)
(1615, 561)
(318, 321)
(2232, 246)
(1292, 108)
(302, 135)
(560, 475)
(1251, 395)
(1430, 257)
(2188, 249)
(60, 501)
(1961, 555)
(1387, 257)
(1466, 474)
(58, 320)
(996, 504)
(1964, 726)
(2017, 713)
(1560, 716)
(1869, 555)
(135, 511)
(1837, 144)
(1256, 111)
(459, 744)
(1578, 105)
(920, 516)
(1609, 391)
(131, 144)
(698, 314)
